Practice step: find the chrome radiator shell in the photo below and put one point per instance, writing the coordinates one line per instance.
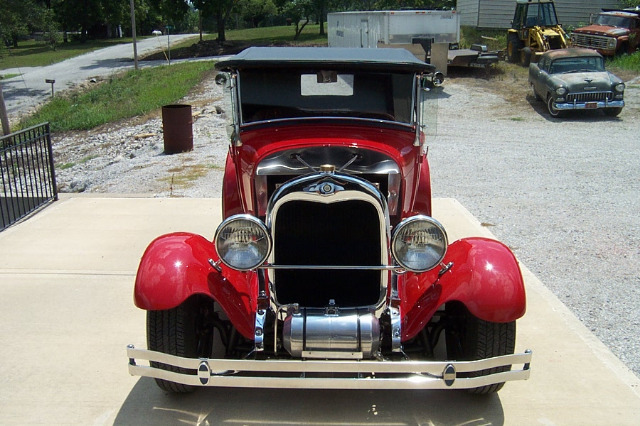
(331, 333)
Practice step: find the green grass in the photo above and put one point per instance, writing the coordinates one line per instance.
(626, 62)
(32, 53)
(310, 35)
(128, 95)
(7, 76)
(267, 35)
(493, 39)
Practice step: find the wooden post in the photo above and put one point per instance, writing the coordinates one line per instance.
(3, 114)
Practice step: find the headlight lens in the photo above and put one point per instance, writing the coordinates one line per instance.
(620, 87)
(419, 243)
(561, 91)
(242, 242)
(612, 43)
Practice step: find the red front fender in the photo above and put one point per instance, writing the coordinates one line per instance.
(176, 266)
(485, 277)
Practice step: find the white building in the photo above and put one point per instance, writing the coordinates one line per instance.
(499, 13)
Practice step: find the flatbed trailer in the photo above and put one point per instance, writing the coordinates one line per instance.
(476, 57)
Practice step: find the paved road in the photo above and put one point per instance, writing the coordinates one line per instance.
(25, 92)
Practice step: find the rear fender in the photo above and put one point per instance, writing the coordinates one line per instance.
(176, 266)
(485, 277)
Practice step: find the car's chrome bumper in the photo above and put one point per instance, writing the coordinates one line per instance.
(329, 374)
(588, 105)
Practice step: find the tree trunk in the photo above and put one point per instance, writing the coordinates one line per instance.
(300, 28)
(321, 19)
(221, 22)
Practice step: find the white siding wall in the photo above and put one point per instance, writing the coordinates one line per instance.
(496, 13)
(499, 13)
(575, 13)
(468, 10)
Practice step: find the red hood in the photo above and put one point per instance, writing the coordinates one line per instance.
(603, 30)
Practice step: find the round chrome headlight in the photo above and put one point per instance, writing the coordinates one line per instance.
(620, 87)
(419, 243)
(561, 91)
(242, 242)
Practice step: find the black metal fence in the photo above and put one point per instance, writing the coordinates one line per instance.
(27, 174)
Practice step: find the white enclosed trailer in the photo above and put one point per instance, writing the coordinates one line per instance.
(410, 29)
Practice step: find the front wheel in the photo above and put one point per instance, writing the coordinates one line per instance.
(553, 111)
(525, 57)
(513, 48)
(183, 331)
(613, 112)
(472, 339)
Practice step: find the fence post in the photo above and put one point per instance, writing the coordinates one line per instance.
(3, 114)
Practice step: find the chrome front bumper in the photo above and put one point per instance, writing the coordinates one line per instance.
(564, 106)
(329, 374)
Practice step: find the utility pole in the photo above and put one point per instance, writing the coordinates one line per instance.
(133, 34)
(3, 114)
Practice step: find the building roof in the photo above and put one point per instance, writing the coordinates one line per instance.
(384, 59)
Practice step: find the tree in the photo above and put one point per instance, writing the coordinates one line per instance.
(297, 10)
(255, 12)
(414, 4)
(221, 9)
(17, 19)
(50, 27)
(320, 12)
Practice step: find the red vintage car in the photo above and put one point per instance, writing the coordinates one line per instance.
(328, 270)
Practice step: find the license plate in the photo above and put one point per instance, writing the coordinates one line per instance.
(591, 105)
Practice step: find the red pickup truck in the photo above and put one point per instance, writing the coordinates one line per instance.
(612, 32)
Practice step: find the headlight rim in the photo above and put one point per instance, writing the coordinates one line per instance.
(408, 221)
(619, 87)
(254, 220)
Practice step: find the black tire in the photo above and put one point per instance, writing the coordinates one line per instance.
(513, 48)
(473, 339)
(555, 113)
(181, 331)
(525, 57)
(612, 112)
(622, 50)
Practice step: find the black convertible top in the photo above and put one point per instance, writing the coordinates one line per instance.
(383, 59)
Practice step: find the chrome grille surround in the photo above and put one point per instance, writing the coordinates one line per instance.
(350, 189)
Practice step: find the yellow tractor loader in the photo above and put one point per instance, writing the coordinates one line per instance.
(534, 30)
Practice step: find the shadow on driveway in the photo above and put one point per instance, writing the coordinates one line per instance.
(147, 404)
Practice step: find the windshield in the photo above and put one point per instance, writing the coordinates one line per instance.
(274, 94)
(580, 64)
(543, 15)
(613, 21)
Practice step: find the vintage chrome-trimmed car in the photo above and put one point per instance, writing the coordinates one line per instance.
(328, 270)
(575, 79)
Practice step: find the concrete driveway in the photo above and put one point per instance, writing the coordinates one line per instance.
(28, 90)
(67, 314)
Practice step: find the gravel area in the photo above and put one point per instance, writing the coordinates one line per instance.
(563, 194)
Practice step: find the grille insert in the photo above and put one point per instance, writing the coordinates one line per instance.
(342, 233)
(594, 42)
(590, 97)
